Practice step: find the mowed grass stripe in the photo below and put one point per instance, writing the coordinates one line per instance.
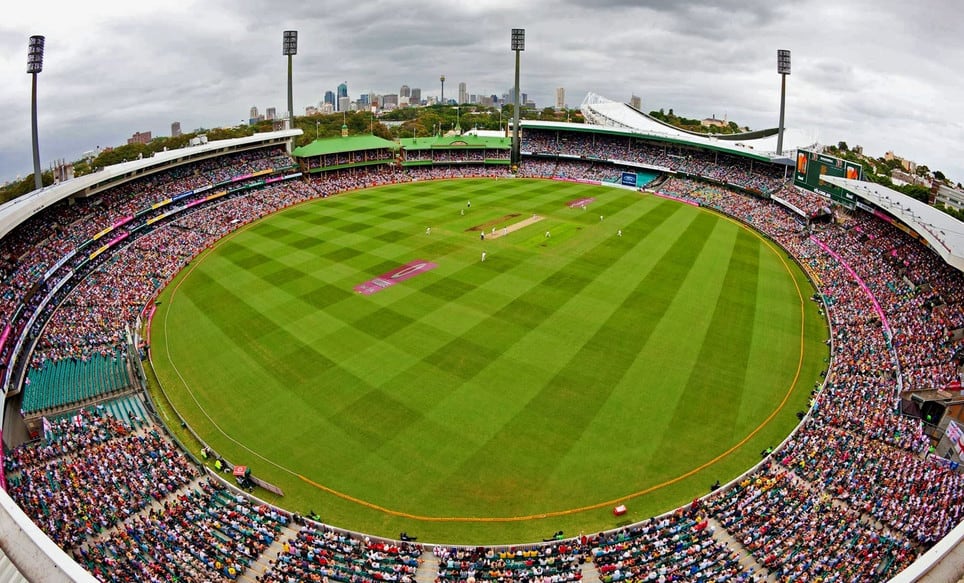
(776, 340)
(468, 358)
(709, 402)
(379, 323)
(651, 387)
(245, 330)
(310, 382)
(536, 305)
(554, 419)
(468, 351)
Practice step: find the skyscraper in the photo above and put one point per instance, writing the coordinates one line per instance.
(254, 112)
(175, 129)
(405, 91)
(560, 97)
(463, 93)
(330, 98)
(270, 113)
(416, 96)
(342, 92)
(636, 102)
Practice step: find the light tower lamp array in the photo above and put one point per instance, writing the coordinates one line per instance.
(518, 45)
(35, 64)
(289, 49)
(783, 68)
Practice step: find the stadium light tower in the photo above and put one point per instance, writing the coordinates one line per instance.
(290, 48)
(783, 68)
(518, 45)
(35, 64)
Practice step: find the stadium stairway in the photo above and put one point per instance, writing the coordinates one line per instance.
(589, 573)
(156, 505)
(128, 409)
(261, 563)
(428, 567)
(747, 560)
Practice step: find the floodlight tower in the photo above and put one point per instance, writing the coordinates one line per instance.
(35, 64)
(783, 68)
(290, 48)
(442, 98)
(518, 45)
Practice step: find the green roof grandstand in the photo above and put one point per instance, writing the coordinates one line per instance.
(456, 142)
(339, 145)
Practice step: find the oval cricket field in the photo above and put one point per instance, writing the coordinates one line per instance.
(358, 352)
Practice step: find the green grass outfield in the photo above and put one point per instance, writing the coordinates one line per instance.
(498, 401)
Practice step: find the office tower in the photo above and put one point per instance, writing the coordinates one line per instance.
(342, 93)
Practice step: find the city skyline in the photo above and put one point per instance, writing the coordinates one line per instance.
(205, 64)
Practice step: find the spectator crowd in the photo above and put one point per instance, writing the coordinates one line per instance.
(851, 496)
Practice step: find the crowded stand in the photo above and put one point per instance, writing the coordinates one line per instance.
(675, 547)
(91, 319)
(798, 533)
(850, 496)
(571, 170)
(908, 493)
(39, 243)
(202, 534)
(724, 169)
(318, 553)
(341, 159)
(449, 155)
(556, 563)
(95, 487)
(809, 203)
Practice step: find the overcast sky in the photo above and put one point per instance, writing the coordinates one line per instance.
(882, 74)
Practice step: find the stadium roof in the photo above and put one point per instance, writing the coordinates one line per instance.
(943, 233)
(463, 141)
(761, 145)
(340, 144)
(16, 211)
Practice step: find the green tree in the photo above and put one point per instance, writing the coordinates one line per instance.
(921, 193)
(22, 187)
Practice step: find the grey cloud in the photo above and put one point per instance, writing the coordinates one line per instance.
(859, 67)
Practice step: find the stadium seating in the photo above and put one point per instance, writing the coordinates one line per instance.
(558, 562)
(677, 547)
(70, 381)
(317, 553)
(851, 496)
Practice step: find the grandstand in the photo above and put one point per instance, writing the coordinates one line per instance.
(851, 495)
